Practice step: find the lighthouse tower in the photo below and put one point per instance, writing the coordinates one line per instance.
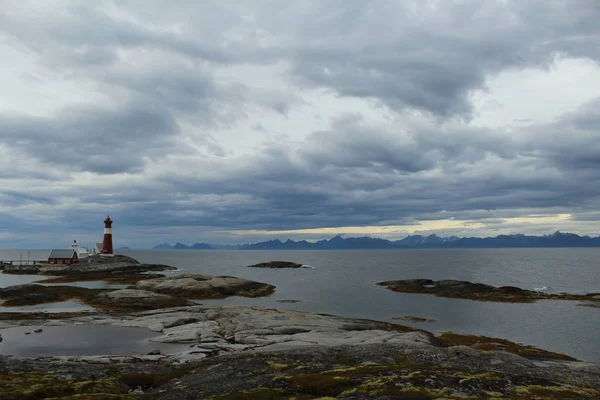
(107, 246)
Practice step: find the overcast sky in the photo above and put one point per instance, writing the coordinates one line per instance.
(234, 122)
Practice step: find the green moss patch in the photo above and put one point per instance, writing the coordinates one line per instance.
(34, 386)
(146, 381)
(536, 392)
(485, 343)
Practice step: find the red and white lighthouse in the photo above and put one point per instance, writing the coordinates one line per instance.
(107, 245)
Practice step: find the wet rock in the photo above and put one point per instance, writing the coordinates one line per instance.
(477, 291)
(136, 299)
(18, 290)
(32, 294)
(197, 286)
(276, 264)
(289, 301)
(154, 353)
(38, 331)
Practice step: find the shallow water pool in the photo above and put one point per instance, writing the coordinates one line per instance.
(81, 340)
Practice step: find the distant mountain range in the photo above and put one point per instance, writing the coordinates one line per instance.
(557, 239)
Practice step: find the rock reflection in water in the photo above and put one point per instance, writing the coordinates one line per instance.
(81, 340)
(88, 284)
(59, 306)
(7, 280)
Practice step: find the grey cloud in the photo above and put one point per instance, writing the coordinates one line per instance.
(92, 139)
(173, 86)
(314, 186)
(92, 29)
(407, 55)
(11, 198)
(571, 143)
(431, 58)
(165, 87)
(310, 186)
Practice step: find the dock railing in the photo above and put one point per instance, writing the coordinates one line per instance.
(21, 262)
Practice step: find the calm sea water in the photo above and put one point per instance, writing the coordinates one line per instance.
(343, 283)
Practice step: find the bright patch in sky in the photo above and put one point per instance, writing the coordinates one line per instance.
(536, 95)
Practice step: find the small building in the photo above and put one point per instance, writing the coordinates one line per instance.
(63, 256)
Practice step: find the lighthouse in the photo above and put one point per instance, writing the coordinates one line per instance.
(107, 246)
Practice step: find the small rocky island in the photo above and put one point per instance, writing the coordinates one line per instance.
(242, 352)
(478, 291)
(276, 264)
(147, 291)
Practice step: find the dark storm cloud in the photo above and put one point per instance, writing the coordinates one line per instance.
(431, 58)
(571, 151)
(415, 55)
(15, 198)
(96, 139)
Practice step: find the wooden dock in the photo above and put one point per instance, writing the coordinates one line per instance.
(20, 262)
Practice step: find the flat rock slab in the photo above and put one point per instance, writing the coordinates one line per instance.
(234, 328)
(197, 286)
(276, 264)
(477, 291)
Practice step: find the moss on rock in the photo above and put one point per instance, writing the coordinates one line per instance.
(485, 343)
(34, 386)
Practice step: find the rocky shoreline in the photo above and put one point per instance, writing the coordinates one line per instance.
(480, 292)
(284, 354)
(242, 352)
(146, 291)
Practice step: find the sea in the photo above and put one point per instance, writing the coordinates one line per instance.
(343, 282)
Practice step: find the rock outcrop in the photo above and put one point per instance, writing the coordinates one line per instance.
(96, 264)
(118, 269)
(276, 264)
(21, 269)
(379, 371)
(121, 300)
(32, 294)
(296, 354)
(198, 286)
(478, 291)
